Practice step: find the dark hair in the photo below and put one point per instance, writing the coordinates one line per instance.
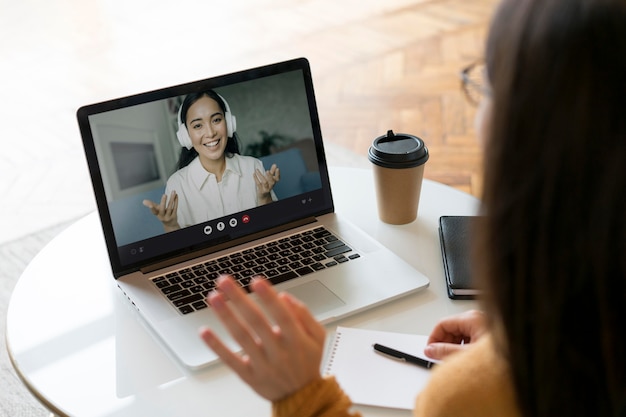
(188, 155)
(552, 248)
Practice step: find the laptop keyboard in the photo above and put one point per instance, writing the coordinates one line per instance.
(278, 261)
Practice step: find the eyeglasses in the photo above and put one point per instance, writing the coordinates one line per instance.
(473, 82)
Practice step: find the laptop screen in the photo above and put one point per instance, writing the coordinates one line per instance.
(248, 159)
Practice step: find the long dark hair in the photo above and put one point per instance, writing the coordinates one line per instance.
(188, 155)
(552, 248)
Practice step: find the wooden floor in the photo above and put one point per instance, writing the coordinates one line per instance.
(413, 86)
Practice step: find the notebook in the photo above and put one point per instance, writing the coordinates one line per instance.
(370, 378)
(454, 237)
(165, 268)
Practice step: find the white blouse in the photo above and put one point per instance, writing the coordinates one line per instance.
(202, 198)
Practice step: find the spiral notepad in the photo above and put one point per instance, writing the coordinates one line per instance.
(370, 378)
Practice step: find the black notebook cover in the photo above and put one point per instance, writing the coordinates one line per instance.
(454, 235)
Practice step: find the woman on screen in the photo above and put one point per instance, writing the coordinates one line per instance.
(213, 179)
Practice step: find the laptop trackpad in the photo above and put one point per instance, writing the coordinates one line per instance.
(316, 296)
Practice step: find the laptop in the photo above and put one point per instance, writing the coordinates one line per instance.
(295, 239)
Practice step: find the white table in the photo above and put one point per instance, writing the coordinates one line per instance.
(81, 349)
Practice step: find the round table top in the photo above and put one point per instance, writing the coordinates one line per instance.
(83, 351)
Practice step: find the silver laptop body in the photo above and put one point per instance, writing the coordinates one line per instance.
(131, 148)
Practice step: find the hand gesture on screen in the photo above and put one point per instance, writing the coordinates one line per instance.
(265, 183)
(282, 344)
(165, 211)
(453, 333)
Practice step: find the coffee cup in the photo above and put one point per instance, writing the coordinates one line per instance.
(398, 163)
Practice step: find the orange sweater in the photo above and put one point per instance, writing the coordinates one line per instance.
(473, 383)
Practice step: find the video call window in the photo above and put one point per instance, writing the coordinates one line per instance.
(139, 151)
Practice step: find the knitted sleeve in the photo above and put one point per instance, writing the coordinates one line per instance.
(321, 398)
(473, 383)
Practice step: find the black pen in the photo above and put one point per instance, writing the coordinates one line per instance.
(401, 356)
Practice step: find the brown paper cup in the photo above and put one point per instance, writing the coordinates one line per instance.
(398, 163)
(398, 193)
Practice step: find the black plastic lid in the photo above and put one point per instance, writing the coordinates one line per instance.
(398, 151)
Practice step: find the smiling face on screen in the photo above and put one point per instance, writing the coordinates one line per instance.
(207, 129)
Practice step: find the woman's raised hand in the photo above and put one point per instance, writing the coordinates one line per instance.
(265, 182)
(165, 211)
(282, 343)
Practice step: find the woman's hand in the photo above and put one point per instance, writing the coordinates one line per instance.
(282, 350)
(165, 212)
(453, 333)
(265, 183)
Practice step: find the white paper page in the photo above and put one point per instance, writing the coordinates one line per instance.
(370, 378)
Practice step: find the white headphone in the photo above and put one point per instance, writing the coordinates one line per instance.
(183, 135)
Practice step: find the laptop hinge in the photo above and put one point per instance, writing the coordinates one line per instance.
(231, 243)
